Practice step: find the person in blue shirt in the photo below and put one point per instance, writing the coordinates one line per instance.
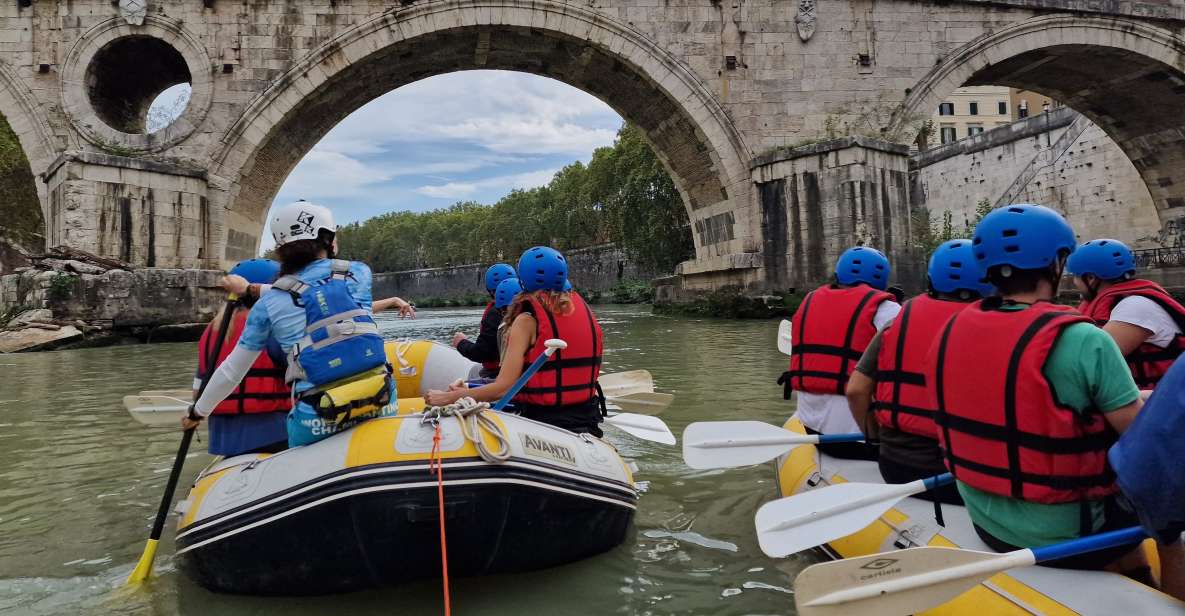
(319, 312)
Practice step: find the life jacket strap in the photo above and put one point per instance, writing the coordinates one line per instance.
(334, 318)
(342, 330)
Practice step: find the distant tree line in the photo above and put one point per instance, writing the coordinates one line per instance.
(623, 195)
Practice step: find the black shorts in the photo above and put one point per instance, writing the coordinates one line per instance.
(847, 451)
(579, 418)
(1115, 517)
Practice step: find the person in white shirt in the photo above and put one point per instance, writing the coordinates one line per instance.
(831, 329)
(1146, 322)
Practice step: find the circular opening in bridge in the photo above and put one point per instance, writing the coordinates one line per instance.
(128, 75)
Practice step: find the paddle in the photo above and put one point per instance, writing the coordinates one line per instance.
(914, 580)
(728, 444)
(785, 337)
(157, 410)
(628, 382)
(649, 403)
(803, 521)
(144, 568)
(644, 427)
(552, 346)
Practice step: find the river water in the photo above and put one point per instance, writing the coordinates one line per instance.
(80, 482)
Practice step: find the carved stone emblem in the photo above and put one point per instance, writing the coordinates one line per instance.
(805, 20)
(133, 11)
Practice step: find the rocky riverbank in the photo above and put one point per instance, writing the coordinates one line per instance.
(71, 299)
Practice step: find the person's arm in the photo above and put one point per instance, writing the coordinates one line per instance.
(1123, 416)
(1106, 376)
(406, 310)
(513, 365)
(485, 348)
(1126, 335)
(861, 385)
(233, 283)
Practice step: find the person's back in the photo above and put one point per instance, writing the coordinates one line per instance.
(1028, 396)
(485, 350)
(568, 380)
(831, 330)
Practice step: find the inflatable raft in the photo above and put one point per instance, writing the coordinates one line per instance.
(1031, 590)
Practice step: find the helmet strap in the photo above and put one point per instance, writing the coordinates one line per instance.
(1092, 283)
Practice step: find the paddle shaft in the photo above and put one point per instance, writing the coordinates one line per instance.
(526, 376)
(166, 500)
(906, 489)
(789, 439)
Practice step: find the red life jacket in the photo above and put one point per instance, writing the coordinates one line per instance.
(832, 327)
(570, 376)
(903, 402)
(489, 365)
(263, 390)
(1000, 423)
(1148, 362)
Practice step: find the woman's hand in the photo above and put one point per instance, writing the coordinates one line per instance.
(458, 338)
(441, 398)
(406, 310)
(190, 420)
(234, 283)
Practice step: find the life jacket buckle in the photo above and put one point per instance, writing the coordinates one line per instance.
(814, 480)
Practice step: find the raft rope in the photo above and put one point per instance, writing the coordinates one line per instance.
(435, 461)
(475, 423)
(405, 367)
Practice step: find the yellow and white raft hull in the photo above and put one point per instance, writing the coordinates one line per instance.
(1031, 590)
(420, 365)
(359, 509)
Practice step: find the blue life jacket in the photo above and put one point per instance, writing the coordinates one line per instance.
(1147, 458)
(341, 338)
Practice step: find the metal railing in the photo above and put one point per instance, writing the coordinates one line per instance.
(1151, 258)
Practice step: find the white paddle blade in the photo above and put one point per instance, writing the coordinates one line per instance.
(184, 394)
(729, 444)
(897, 583)
(156, 410)
(803, 521)
(785, 337)
(643, 426)
(647, 403)
(622, 383)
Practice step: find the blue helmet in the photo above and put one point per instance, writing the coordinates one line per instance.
(542, 268)
(257, 271)
(496, 274)
(1107, 259)
(506, 291)
(953, 268)
(567, 285)
(1023, 236)
(863, 264)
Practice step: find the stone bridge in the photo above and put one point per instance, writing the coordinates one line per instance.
(781, 121)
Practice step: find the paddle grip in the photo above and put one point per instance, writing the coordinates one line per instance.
(938, 481)
(522, 380)
(854, 437)
(1092, 543)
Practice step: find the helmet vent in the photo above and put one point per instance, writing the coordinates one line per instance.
(1016, 210)
(1012, 248)
(956, 264)
(1008, 233)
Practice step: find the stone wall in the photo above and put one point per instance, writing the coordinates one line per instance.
(598, 268)
(118, 298)
(1059, 159)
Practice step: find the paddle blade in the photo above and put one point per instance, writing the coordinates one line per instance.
(803, 521)
(785, 336)
(143, 568)
(186, 394)
(647, 403)
(621, 383)
(156, 410)
(897, 583)
(643, 426)
(729, 444)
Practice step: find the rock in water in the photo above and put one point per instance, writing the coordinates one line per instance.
(36, 339)
(43, 315)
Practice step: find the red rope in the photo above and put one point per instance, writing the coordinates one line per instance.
(435, 461)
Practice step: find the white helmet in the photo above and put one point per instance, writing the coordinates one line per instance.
(300, 221)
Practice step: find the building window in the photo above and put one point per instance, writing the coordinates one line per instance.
(1002, 107)
(973, 108)
(1022, 110)
(974, 129)
(948, 134)
(946, 109)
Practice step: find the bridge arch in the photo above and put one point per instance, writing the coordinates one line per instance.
(688, 128)
(22, 112)
(1126, 76)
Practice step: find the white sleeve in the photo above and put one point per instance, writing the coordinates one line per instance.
(1147, 314)
(226, 378)
(885, 313)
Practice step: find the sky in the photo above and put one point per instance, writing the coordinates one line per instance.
(464, 136)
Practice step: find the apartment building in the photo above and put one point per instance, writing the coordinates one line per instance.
(971, 110)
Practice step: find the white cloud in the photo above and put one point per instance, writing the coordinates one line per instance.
(451, 190)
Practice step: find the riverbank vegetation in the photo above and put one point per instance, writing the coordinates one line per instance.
(623, 195)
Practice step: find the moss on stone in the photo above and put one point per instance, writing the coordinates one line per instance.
(20, 211)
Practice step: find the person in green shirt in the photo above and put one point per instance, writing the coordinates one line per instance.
(1030, 395)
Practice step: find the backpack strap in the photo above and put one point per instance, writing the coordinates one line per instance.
(340, 268)
(290, 284)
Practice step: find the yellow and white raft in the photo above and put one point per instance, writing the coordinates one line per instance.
(359, 509)
(911, 523)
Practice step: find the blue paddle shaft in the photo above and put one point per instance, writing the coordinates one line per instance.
(938, 480)
(855, 437)
(522, 380)
(1092, 543)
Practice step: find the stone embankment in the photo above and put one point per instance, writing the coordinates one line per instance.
(69, 298)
